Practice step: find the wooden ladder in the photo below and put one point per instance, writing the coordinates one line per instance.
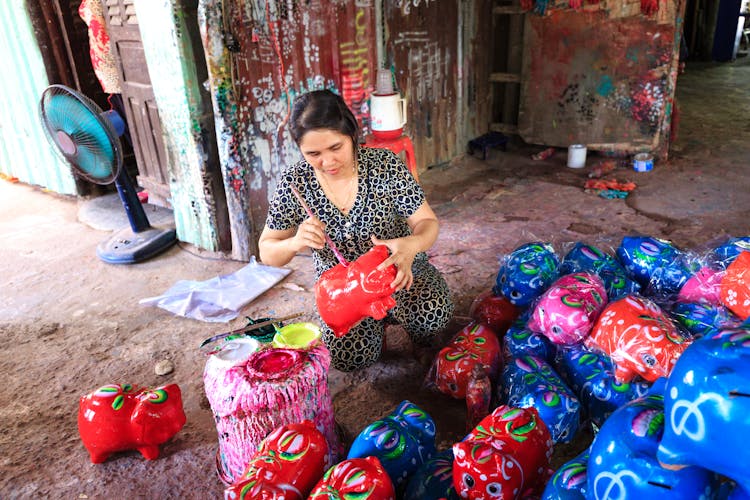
(505, 77)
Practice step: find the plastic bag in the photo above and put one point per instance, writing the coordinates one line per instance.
(218, 299)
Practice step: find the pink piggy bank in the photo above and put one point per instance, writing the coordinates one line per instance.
(121, 417)
(288, 463)
(639, 337)
(566, 312)
(347, 295)
(506, 456)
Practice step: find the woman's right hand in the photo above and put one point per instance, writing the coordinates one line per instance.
(311, 233)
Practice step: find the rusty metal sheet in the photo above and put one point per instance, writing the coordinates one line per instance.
(260, 55)
(601, 78)
(422, 46)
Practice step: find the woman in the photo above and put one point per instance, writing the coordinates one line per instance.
(361, 197)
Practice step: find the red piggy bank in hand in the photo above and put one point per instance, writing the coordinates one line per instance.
(121, 417)
(347, 295)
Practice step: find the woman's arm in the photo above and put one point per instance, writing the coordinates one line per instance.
(424, 227)
(278, 247)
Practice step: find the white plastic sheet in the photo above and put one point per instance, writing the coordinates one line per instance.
(218, 299)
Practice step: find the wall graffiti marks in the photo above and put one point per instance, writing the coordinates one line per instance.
(578, 99)
(429, 66)
(312, 54)
(648, 101)
(405, 6)
(355, 71)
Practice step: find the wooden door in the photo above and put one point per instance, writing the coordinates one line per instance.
(138, 98)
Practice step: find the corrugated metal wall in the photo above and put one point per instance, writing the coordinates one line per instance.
(24, 150)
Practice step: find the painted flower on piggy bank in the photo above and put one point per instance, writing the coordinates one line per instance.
(639, 338)
(433, 480)
(567, 310)
(529, 381)
(527, 272)
(355, 478)
(583, 257)
(622, 462)
(569, 481)
(288, 463)
(656, 263)
(506, 456)
(592, 377)
(119, 417)
(402, 441)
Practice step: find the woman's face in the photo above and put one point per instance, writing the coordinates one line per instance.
(328, 151)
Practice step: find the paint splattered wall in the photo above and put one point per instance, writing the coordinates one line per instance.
(261, 54)
(603, 76)
(440, 53)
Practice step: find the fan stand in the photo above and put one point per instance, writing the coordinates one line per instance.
(140, 241)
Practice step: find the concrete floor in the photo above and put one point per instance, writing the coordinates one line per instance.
(70, 323)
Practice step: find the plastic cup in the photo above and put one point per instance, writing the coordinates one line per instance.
(296, 336)
(577, 156)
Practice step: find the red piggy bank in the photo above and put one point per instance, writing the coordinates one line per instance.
(506, 456)
(639, 337)
(466, 367)
(347, 295)
(361, 478)
(495, 311)
(126, 417)
(288, 463)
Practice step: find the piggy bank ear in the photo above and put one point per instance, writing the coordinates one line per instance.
(417, 419)
(152, 404)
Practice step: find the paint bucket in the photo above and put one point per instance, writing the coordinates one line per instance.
(577, 156)
(273, 387)
(233, 352)
(643, 162)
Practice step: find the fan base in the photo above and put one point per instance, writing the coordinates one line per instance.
(127, 247)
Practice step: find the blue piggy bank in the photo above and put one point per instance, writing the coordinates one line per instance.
(591, 375)
(707, 407)
(622, 462)
(433, 480)
(569, 481)
(529, 381)
(402, 441)
(703, 319)
(527, 272)
(727, 252)
(583, 257)
(519, 340)
(655, 263)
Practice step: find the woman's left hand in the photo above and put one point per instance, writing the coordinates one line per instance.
(403, 251)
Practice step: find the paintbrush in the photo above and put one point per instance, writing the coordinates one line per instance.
(335, 250)
(246, 329)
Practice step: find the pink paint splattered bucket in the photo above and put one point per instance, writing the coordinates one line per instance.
(272, 388)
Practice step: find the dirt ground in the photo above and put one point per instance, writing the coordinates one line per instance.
(70, 323)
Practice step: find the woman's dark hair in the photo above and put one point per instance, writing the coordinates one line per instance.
(322, 109)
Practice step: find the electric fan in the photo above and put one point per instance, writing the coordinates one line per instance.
(89, 140)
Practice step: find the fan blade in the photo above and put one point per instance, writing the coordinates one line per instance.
(94, 154)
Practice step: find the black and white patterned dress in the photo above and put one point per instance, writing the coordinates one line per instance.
(387, 195)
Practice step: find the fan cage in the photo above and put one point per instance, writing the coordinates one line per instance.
(89, 147)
